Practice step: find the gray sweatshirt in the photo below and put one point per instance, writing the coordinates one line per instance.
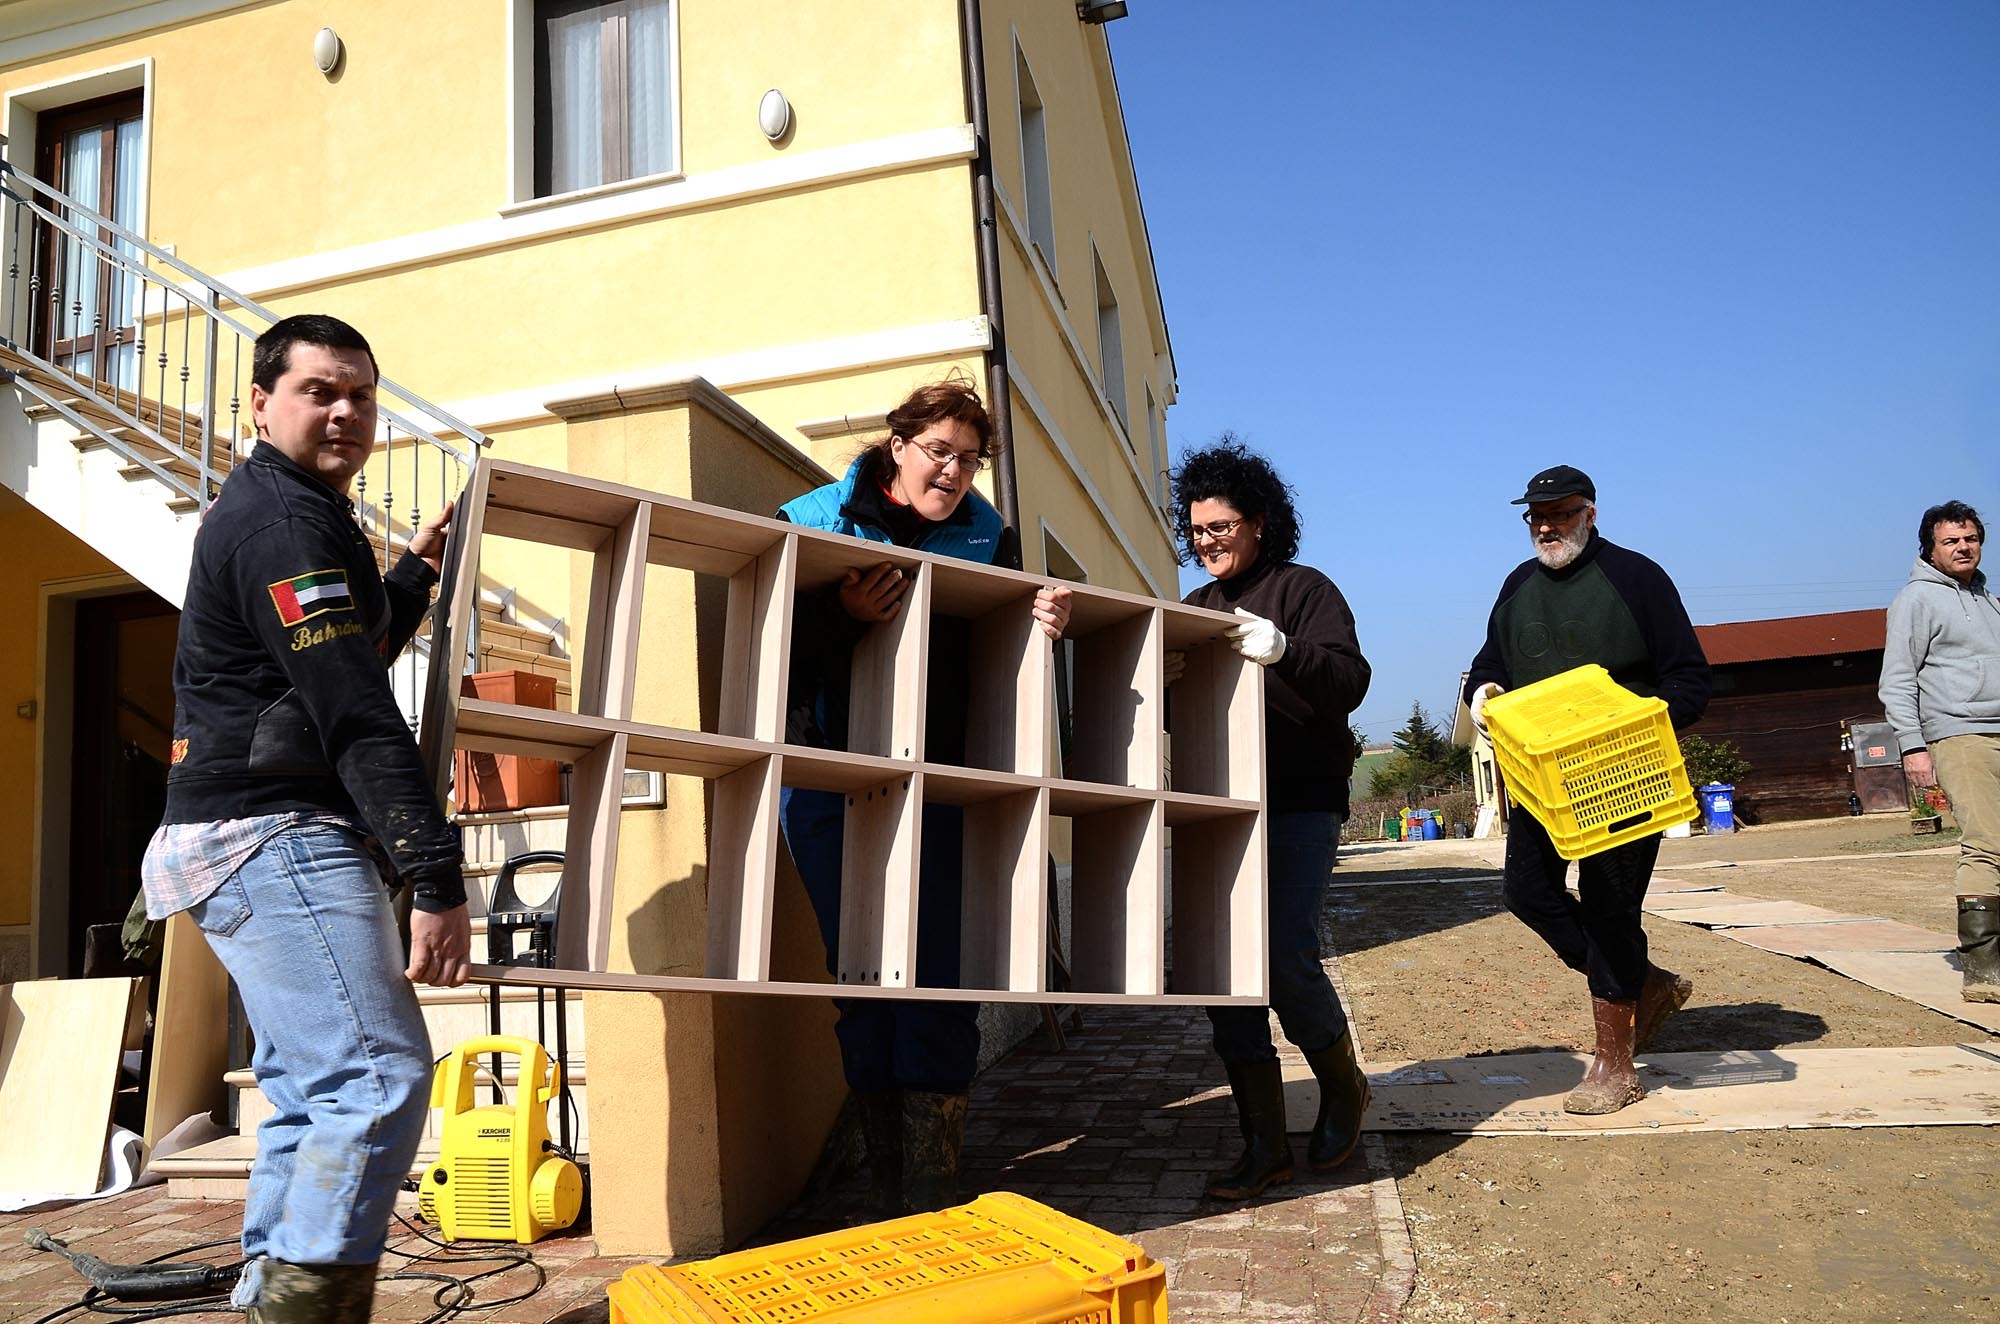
(1941, 664)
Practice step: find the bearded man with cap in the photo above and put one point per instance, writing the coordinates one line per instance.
(1580, 599)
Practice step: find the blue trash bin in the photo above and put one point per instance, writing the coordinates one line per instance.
(1433, 829)
(1718, 807)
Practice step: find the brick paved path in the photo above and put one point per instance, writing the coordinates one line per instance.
(1119, 1130)
(1122, 1130)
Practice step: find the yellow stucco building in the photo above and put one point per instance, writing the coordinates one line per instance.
(697, 245)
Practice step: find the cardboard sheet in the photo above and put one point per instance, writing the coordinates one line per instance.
(1661, 902)
(1739, 914)
(1662, 886)
(1929, 978)
(1853, 935)
(1953, 1085)
(60, 1045)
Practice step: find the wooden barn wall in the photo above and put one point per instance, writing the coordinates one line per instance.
(1784, 718)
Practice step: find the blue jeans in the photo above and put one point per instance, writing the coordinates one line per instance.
(898, 1044)
(1299, 855)
(306, 931)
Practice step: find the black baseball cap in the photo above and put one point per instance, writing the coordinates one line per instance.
(1560, 481)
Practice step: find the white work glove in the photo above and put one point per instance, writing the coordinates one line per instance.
(1257, 639)
(1173, 666)
(1479, 698)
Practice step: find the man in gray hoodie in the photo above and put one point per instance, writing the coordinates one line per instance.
(1941, 690)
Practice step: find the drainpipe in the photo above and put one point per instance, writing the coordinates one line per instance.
(1006, 494)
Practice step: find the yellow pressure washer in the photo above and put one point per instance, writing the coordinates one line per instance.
(498, 1176)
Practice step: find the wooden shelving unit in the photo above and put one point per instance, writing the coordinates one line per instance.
(1115, 794)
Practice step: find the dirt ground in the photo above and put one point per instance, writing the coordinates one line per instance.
(1774, 1226)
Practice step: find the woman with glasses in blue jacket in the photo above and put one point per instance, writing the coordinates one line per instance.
(909, 1063)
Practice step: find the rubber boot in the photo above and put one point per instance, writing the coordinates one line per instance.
(933, 1135)
(882, 1149)
(1258, 1089)
(1979, 947)
(1611, 1083)
(1343, 1098)
(314, 1294)
(1664, 994)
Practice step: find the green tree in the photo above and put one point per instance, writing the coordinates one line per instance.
(1420, 738)
(1425, 761)
(1712, 761)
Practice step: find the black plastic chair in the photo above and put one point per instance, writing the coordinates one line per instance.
(508, 916)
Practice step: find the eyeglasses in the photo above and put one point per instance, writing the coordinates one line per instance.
(1219, 530)
(1555, 519)
(944, 457)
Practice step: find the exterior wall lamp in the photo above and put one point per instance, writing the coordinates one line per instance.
(774, 115)
(326, 50)
(1100, 11)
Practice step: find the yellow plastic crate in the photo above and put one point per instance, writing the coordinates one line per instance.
(1595, 764)
(1002, 1259)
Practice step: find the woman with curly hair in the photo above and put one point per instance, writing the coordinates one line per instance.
(1234, 516)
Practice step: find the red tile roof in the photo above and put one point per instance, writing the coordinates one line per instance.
(1793, 636)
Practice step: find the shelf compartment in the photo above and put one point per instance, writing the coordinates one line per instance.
(885, 705)
(742, 870)
(756, 648)
(1011, 685)
(590, 855)
(694, 537)
(1004, 911)
(1219, 905)
(1218, 724)
(1116, 710)
(1117, 899)
(880, 849)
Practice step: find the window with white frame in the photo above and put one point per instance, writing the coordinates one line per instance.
(1110, 346)
(93, 151)
(1035, 163)
(604, 92)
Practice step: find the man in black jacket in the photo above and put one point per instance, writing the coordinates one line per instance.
(295, 800)
(1584, 599)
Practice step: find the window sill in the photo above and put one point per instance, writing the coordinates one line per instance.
(527, 206)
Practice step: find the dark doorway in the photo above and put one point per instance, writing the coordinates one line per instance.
(123, 732)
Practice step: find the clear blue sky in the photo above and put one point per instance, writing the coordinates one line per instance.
(1741, 262)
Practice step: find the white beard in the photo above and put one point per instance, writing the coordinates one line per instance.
(1556, 555)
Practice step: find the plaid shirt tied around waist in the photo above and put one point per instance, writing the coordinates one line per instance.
(186, 862)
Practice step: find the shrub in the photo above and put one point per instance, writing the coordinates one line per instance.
(1712, 761)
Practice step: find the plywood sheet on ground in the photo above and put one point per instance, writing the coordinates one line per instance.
(60, 1042)
(1859, 935)
(1929, 978)
(1759, 912)
(1657, 903)
(1663, 886)
(1953, 1085)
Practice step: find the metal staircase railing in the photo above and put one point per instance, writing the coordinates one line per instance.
(140, 352)
(136, 348)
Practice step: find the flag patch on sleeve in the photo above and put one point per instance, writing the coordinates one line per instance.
(311, 595)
